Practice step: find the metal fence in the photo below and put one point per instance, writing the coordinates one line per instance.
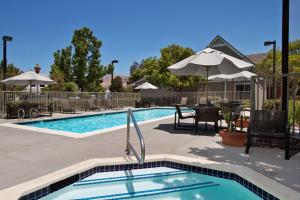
(267, 93)
(78, 100)
(167, 98)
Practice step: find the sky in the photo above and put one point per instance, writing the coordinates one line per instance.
(135, 29)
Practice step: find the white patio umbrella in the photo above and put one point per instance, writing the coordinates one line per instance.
(241, 76)
(209, 62)
(28, 78)
(146, 86)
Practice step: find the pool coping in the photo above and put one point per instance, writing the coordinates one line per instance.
(278, 190)
(86, 134)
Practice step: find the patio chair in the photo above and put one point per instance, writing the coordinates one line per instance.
(45, 110)
(183, 101)
(109, 105)
(91, 105)
(268, 129)
(237, 116)
(208, 114)
(66, 107)
(181, 116)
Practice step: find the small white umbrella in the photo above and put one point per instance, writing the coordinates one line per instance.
(209, 62)
(241, 76)
(28, 78)
(146, 86)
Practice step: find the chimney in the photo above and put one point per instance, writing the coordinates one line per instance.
(37, 68)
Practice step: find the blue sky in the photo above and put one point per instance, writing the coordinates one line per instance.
(134, 29)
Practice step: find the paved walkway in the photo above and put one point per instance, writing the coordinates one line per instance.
(25, 155)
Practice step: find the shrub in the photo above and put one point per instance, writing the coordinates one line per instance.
(71, 87)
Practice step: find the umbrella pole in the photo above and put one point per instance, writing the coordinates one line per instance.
(207, 86)
(225, 89)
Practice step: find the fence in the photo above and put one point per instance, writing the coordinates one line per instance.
(167, 98)
(268, 93)
(78, 100)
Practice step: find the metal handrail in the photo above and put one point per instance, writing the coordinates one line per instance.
(19, 114)
(129, 147)
(31, 111)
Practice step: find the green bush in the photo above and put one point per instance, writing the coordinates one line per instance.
(13, 107)
(71, 87)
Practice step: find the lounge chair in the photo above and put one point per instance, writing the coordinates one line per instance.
(91, 105)
(66, 107)
(268, 129)
(208, 114)
(142, 104)
(183, 115)
(109, 105)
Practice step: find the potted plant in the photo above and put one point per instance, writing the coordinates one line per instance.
(229, 135)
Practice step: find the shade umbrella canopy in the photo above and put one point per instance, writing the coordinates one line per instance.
(209, 62)
(146, 86)
(241, 76)
(28, 78)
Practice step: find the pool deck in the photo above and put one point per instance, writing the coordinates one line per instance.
(26, 155)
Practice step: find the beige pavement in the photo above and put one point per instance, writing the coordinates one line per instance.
(25, 155)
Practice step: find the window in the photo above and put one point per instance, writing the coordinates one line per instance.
(242, 91)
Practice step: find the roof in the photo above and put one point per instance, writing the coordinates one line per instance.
(107, 78)
(222, 45)
(257, 57)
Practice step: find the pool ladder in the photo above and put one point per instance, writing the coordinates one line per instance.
(129, 147)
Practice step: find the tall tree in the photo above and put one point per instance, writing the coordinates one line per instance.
(95, 70)
(56, 73)
(66, 64)
(81, 45)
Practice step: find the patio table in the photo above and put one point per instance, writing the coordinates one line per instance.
(209, 114)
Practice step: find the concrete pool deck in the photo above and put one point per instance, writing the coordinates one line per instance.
(25, 155)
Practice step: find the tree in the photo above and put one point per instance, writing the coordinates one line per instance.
(155, 69)
(81, 67)
(265, 66)
(11, 70)
(71, 87)
(117, 85)
(95, 70)
(65, 64)
(80, 41)
(134, 66)
(57, 74)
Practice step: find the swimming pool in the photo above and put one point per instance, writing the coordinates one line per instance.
(153, 183)
(87, 124)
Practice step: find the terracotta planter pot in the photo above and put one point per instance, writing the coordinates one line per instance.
(237, 139)
(245, 123)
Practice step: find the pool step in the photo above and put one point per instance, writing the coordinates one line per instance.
(145, 193)
(129, 177)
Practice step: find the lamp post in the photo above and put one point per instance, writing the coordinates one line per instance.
(268, 43)
(112, 71)
(5, 40)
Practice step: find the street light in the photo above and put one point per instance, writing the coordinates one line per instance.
(5, 40)
(268, 43)
(112, 72)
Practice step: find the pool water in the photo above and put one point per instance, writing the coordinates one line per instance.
(153, 183)
(84, 124)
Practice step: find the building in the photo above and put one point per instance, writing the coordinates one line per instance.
(239, 90)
